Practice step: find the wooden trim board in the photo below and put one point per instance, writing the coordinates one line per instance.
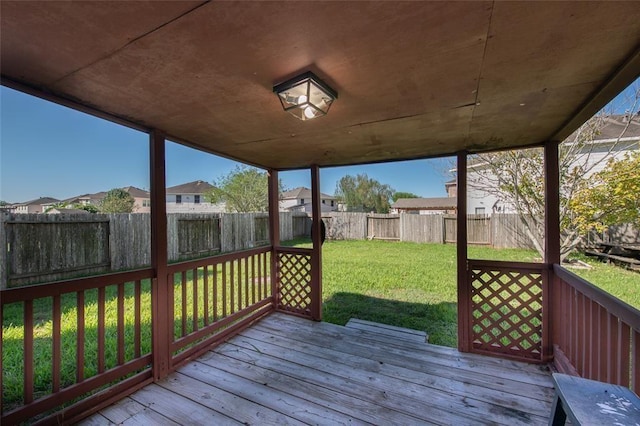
(388, 330)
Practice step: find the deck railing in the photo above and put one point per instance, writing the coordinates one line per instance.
(295, 291)
(71, 339)
(507, 309)
(595, 335)
(215, 296)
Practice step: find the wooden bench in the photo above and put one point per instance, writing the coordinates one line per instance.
(588, 402)
(629, 261)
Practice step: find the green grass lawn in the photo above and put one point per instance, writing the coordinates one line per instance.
(414, 285)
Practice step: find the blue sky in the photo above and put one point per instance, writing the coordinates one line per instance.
(50, 150)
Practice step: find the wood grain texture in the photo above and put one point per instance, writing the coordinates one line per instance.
(288, 370)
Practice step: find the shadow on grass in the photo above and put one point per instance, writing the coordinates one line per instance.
(438, 320)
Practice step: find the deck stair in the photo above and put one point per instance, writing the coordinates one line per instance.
(386, 330)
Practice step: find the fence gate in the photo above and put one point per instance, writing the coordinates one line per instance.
(478, 229)
(383, 227)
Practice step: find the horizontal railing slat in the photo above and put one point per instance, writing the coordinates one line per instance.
(13, 295)
(221, 258)
(49, 402)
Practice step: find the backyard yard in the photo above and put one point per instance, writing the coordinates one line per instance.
(398, 283)
(414, 285)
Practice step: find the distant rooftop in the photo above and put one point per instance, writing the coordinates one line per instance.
(38, 201)
(195, 187)
(302, 192)
(434, 203)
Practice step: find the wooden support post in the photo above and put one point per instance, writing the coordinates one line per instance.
(551, 246)
(162, 330)
(464, 293)
(316, 255)
(274, 233)
(552, 204)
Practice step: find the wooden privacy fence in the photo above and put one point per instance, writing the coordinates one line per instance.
(498, 230)
(39, 248)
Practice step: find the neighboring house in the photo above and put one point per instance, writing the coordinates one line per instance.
(608, 142)
(451, 187)
(434, 205)
(141, 200)
(190, 198)
(34, 206)
(299, 200)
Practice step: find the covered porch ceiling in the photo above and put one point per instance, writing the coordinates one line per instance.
(414, 80)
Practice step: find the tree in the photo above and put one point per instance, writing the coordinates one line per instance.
(59, 205)
(397, 195)
(612, 198)
(362, 194)
(517, 177)
(88, 207)
(117, 200)
(244, 189)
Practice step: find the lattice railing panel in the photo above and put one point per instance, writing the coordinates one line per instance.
(506, 310)
(294, 276)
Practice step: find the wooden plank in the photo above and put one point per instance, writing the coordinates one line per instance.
(397, 387)
(388, 330)
(326, 390)
(371, 388)
(122, 410)
(178, 408)
(427, 372)
(96, 420)
(298, 408)
(490, 364)
(519, 384)
(241, 409)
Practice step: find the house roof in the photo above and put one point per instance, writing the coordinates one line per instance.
(301, 193)
(38, 201)
(195, 187)
(414, 79)
(620, 126)
(136, 192)
(91, 197)
(434, 203)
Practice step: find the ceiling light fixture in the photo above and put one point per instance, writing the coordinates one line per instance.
(305, 96)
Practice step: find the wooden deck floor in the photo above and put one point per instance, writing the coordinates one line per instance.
(287, 370)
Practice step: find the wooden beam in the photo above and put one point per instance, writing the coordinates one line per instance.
(550, 288)
(626, 74)
(274, 232)
(162, 323)
(552, 203)
(464, 320)
(316, 255)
